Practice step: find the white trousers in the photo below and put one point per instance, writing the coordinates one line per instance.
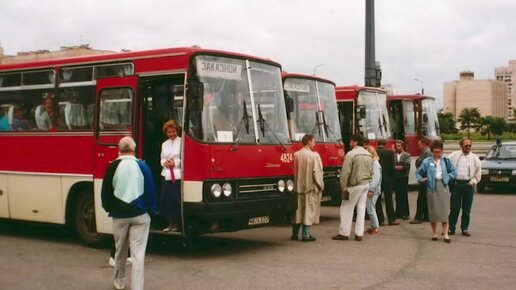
(133, 233)
(357, 197)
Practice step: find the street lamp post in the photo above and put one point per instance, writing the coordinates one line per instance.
(319, 65)
(422, 87)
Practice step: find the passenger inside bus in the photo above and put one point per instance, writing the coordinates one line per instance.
(46, 116)
(4, 120)
(19, 121)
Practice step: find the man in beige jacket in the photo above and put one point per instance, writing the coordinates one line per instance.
(356, 174)
(309, 185)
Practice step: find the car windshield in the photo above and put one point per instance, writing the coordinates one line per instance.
(502, 152)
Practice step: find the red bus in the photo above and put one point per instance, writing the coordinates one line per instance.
(363, 110)
(237, 159)
(312, 108)
(413, 117)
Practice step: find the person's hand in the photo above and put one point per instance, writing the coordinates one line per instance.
(423, 180)
(345, 195)
(370, 194)
(169, 163)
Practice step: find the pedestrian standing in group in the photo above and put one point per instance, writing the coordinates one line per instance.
(128, 195)
(468, 175)
(374, 192)
(422, 207)
(387, 163)
(437, 172)
(309, 184)
(401, 177)
(356, 173)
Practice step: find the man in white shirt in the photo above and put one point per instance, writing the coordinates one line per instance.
(468, 175)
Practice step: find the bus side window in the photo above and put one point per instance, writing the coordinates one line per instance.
(116, 109)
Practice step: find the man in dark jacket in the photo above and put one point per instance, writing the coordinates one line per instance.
(422, 207)
(401, 172)
(387, 163)
(128, 195)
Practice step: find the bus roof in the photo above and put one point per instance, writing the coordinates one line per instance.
(121, 56)
(351, 92)
(286, 75)
(409, 97)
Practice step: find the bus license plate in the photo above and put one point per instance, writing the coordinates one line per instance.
(258, 220)
(499, 179)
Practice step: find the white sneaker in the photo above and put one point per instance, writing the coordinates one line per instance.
(129, 260)
(118, 286)
(111, 262)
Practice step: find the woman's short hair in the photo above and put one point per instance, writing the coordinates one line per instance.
(170, 124)
(436, 145)
(373, 152)
(126, 145)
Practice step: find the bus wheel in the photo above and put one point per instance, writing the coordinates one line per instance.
(84, 220)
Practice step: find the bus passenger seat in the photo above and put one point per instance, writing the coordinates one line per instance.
(10, 115)
(75, 116)
(40, 121)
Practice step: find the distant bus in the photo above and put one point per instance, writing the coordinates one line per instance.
(363, 110)
(414, 117)
(312, 108)
(237, 159)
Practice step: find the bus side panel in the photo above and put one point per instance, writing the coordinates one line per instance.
(179, 62)
(36, 198)
(411, 145)
(103, 221)
(4, 197)
(196, 160)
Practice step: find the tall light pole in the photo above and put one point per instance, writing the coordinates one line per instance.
(422, 87)
(319, 65)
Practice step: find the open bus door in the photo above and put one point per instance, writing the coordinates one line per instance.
(114, 119)
(346, 117)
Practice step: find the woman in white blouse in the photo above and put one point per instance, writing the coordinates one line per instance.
(170, 201)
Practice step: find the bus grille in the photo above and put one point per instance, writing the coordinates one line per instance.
(254, 190)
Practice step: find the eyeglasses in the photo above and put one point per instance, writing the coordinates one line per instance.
(467, 146)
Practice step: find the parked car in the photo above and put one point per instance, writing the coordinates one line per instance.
(499, 167)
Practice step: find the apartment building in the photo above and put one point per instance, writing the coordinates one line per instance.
(489, 96)
(507, 74)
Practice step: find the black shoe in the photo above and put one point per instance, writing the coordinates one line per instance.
(434, 239)
(294, 238)
(310, 238)
(466, 233)
(451, 233)
(405, 218)
(447, 240)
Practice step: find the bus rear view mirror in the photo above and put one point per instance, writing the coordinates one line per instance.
(195, 95)
(319, 115)
(361, 112)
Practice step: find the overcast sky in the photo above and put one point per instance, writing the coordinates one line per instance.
(431, 40)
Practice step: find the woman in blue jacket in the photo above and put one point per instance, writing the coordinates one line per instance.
(437, 171)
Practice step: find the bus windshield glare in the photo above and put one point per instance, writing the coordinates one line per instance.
(309, 97)
(430, 126)
(242, 103)
(375, 125)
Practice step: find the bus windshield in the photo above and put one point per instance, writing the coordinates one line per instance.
(430, 126)
(309, 97)
(375, 125)
(242, 103)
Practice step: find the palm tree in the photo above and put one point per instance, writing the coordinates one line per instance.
(469, 118)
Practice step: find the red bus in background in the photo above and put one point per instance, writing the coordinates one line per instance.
(237, 159)
(363, 110)
(413, 117)
(312, 108)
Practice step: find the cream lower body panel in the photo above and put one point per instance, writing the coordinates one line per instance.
(103, 221)
(192, 191)
(36, 196)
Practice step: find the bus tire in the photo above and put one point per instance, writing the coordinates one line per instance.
(84, 222)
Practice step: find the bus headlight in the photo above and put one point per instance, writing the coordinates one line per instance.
(216, 190)
(227, 189)
(290, 185)
(484, 171)
(281, 185)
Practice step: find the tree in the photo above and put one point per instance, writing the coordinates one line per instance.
(446, 122)
(491, 125)
(469, 118)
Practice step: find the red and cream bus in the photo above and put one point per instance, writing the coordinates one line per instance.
(312, 108)
(237, 159)
(414, 117)
(363, 110)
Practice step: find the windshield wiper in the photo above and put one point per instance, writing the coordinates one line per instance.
(243, 122)
(263, 123)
